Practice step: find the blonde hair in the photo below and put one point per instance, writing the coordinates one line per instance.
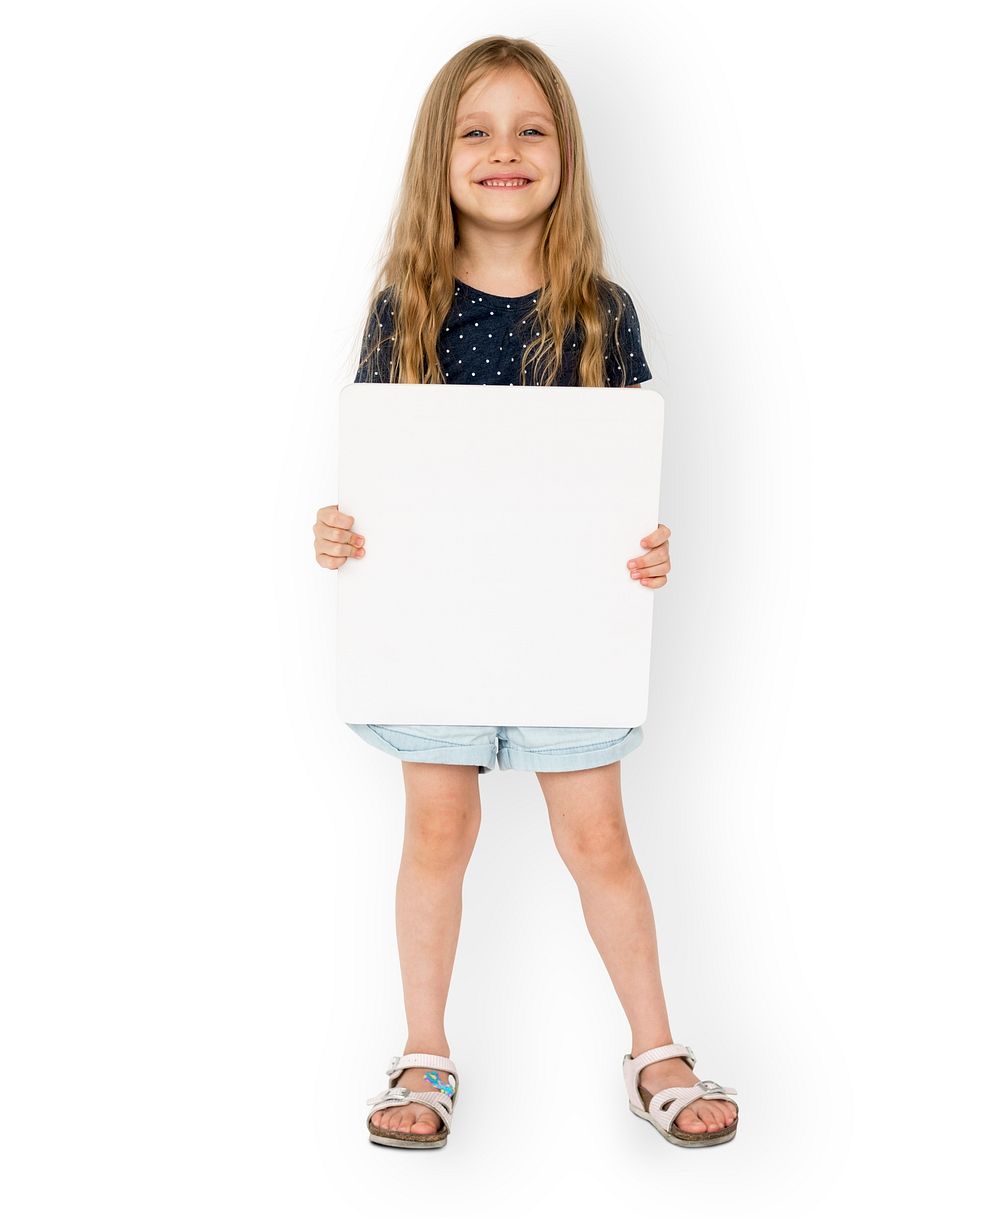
(416, 266)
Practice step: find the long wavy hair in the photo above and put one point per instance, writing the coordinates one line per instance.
(416, 264)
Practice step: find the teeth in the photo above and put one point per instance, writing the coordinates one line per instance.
(511, 182)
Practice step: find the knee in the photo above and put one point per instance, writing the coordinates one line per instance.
(603, 849)
(442, 833)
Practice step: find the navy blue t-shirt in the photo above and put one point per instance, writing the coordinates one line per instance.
(483, 337)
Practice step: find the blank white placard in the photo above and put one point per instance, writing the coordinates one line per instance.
(498, 524)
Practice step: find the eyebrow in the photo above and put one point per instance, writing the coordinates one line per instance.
(524, 114)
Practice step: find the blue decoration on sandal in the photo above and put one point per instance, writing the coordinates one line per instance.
(435, 1081)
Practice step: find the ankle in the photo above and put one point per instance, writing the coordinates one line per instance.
(427, 1045)
(646, 1045)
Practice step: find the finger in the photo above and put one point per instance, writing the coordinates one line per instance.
(336, 549)
(657, 537)
(651, 572)
(660, 555)
(334, 516)
(324, 533)
(653, 583)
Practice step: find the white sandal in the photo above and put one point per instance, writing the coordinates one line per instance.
(653, 1108)
(442, 1101)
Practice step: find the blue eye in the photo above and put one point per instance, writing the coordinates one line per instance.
(481, 132)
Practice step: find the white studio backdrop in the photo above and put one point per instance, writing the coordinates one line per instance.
(198, 860)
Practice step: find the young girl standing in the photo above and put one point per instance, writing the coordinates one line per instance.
(494, 275)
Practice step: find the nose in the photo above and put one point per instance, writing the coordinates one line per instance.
(503, 151)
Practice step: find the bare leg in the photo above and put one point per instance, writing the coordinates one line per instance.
(590, 834)
(443, 814)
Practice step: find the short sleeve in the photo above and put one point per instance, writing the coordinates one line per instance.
(374, 363)
(625, 359)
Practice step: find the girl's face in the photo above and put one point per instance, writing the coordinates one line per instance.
(504, 128)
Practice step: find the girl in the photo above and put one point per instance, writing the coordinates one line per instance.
(494, 275)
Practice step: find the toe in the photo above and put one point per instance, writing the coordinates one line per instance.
(700, 1119)
(690, 1121)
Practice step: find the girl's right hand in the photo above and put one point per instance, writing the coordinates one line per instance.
(335, 542)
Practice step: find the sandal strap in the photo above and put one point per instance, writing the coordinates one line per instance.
(440, 1101)
(659, 1054)
(680, 1097)
(404, 1060)
(392, 1097)
(631, 1066)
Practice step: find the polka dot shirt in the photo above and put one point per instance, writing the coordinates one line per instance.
(484, 336)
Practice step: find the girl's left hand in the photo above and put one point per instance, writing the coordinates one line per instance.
(652, 567)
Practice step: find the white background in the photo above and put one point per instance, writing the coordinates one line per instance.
(198, 859)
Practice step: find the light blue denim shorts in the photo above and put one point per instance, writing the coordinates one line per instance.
(516, 748)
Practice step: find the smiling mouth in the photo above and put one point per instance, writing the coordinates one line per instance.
(505, 183)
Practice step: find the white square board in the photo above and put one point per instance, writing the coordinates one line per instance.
(498, 522)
